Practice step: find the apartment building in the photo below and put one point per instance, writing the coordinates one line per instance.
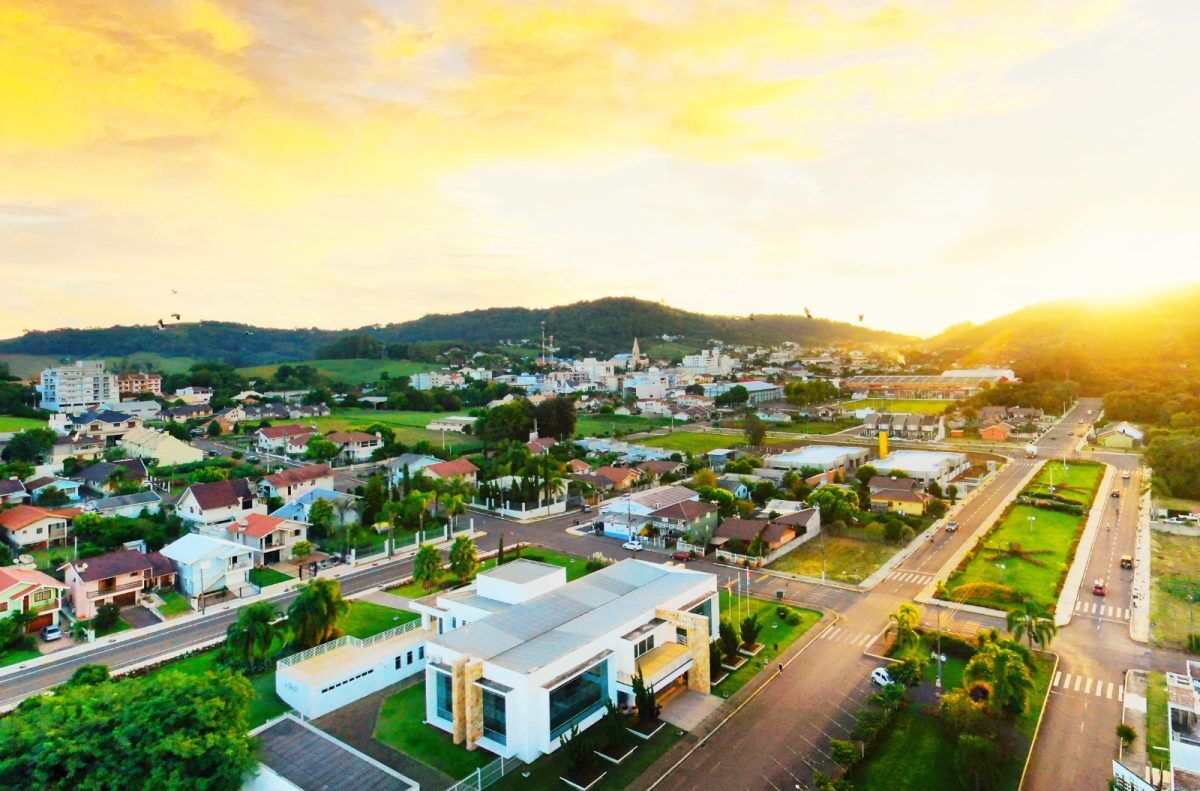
(79, 387)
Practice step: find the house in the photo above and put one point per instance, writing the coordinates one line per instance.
(30, 591)
(620, 477)
(1120, 435)
(12, 491)
(540, 446)
(414, 462)
(271, 537)
(297, 444)
(578, 465)
(142, 410)
(901, 501)
(781, 507)
(108, 425)
(719, 457)
(274, 438)
(457, 468)
(345, 506)
(139, 383)
(924, 465)
(292, 482)
(742, 530)
(75, 446)
(905, 425)
(627, 515)
(992, 414)
(805, 522)
(182, 414)
(147, 443)
(996, 432)
(193, 395)
(122, 578)
(205, 565)
(105, 477)
(40, 487)
(734, 486)
(686, 518)
(204, 505)
(29, 527)
(459, 424)
(542, 662)
(841, 459)
(656, 469)
(355, 446)
(130, 505)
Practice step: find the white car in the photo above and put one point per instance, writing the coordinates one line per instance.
(635, 546)
(880, 677)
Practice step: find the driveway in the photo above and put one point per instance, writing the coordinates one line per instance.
(138, 617)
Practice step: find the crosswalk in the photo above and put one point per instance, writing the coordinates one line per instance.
(913, 577)
(1086, 685)
(1104, 610)
(840, 634)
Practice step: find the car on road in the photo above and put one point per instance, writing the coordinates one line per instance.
(1127, 561)
(1099, 588)
(684, 554)
(252, 459)
(951, 527)
(51, 633)
(587, 509)
(1116, 493)
(1125, 475)
(633, 546)
(1174, 520)
(880, 677)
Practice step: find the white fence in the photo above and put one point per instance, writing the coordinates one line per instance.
(361, 642)
(486, 775)
(770, 557)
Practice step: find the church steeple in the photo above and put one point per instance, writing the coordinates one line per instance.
(635, 357)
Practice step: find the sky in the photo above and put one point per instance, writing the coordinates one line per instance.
(306, 163)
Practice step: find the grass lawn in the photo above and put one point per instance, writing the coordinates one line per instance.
(919, 406)
(576, 567)
(366, 619)
(17, 656)
(1176, 503)
(544, 772)
(173, 604)
(266, 576)
(666, 350)
(1051, 537)
(776, 635)
(693, 442)
(1158, 739)
(616, 425)
(353, 372)
(400, 725)
(9, 423)
(409, 427)
(1175, 571)
(1077, 483)
(847, 559)
(265, 704)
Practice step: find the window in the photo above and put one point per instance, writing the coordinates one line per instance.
(443, 704)
(43, 595)
(643, 646)
(409, 659)
(420, 652)
(578, 698)
(494, 717)
(399, 662)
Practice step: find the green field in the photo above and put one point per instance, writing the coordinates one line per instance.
(400, 726)
(692, 442)
(173, 604)
(576, 567)
(847, 559)
(8, 423)
(776, 635)
(1078, 483)
(1158, 737)
(616, 425)
(408, 426)
(1175, 573)
(918, 406)
(366, 619)
(668, 350)
(266, 576)
(353, 372)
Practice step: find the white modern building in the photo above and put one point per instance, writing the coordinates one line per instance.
(459, 424)
(551, 654)
(821, 457)
(76, 388)
(712, 362)
(925, 466)
(205, 565)
(758, 391)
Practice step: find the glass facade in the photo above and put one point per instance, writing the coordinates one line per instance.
(444, 700)
(495, 721)
(579, 697)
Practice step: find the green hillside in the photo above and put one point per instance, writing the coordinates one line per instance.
(349, 371)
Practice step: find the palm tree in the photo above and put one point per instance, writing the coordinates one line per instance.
(904, 623)
(251, 635)
(427, 567)
(314, 615)
(1006, 671)
(454, 506)
(464, 559)
(1034, 622)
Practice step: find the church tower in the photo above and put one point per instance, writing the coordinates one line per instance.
(635, 357)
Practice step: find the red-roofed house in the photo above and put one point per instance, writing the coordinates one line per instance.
(540, 446)
(218, 503)
(26, 590)
(355, 446)
(293, 482)
(33, 527)
(275, 437)
(621, 477)
(123, 578)
(271, 537)
(578, 465)
(458, 468)
(657, 469)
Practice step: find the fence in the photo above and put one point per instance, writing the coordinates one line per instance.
(361, 642)
(770, 557)
(486, 775)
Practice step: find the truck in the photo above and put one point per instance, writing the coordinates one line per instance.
(1031, 451)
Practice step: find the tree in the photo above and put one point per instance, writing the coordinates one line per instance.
(952, 492)
(733, 396)
(427, 567)
(302, 549)
(464, 559)
(1006, 671)
(29, 445)
(754, 429)
(107, 616)
(454, 507)
(865, 473)
(88, 675)
(314, 614)
(903, 622)
(374, 498)
(500, 552)
(214, 429)
(167, 730)
(52, 497)
(749, 629)
(936, 509)
(320, 518)
(320, 449)
(836, 504)
(1032, 621)
(645, 699)
(978, 758)
(844, 753)
(704, 478)
(728, 639)
(249, 638)
(1126, 734)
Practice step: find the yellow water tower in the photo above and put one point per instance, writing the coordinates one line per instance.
(883, 444)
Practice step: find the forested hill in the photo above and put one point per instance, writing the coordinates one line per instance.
(1099, 345)
(602, 326)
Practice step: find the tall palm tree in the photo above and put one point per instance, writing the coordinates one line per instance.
(251, 635)
(454, 506)
(1006, 671)
(314, 614)
(1034, 622)
(904, 623)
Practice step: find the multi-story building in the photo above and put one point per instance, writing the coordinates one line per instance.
(79, 387)
(712, 362)
(140, 383)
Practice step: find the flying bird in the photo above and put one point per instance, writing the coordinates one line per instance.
(808, 313)
(173, 291)
(161, 326)
(176, 316)
(860, 318)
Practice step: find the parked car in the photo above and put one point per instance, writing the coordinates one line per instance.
(880, 677)
(252, 459)
(634, 546)
(684, 554)
(1127, 561)
(1099, 588)
(1174, 520)
(951, 527)
(587, 509)
(51, 633)
(1116, 493)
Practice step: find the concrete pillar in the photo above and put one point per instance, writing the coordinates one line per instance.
(699, 677)
(458, 697)
(473, 698)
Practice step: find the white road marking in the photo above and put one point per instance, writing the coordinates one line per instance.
(1108, 694)
(1078, 679)
(1057, 677)
(1087, 688)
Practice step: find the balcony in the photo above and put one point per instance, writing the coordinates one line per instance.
(125, 586)
(659, 663)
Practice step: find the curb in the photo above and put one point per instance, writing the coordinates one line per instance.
(1041, 716)
(1064, 607)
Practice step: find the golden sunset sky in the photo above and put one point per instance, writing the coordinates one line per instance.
(299, 163)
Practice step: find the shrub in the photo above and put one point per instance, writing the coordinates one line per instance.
(781, 612)
(1126, 734)
(302, 549)
(597, 561)
(237, 454)
(749, 630)
(106, 616)
(844, 753)
(793, 619)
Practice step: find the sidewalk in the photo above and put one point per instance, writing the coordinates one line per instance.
(1139, 620)
(1065, 609)
(1134, 715)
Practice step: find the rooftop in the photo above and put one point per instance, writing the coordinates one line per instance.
(521, 571)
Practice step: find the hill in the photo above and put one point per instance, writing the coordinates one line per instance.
(1099, 344)
(601, 326)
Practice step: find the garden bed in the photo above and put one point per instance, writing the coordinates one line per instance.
(752, 650)
(603, 753)
(584, 780)
(741, 662)
(646, 730)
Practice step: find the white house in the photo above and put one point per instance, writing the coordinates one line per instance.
(415, 462)
(205, 565)
(271, 537)
(293, 482)
(355, 446)
(130, 505)
(274, 438)
(456, 423)
(147, 443)
(821, 457)
(204, 505)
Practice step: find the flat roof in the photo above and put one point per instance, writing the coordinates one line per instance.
(521, 571)
(916, 460)
(345, 659)
(817, 455)
(309, 758)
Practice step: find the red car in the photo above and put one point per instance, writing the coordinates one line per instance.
(1099, 588)
(683, 555)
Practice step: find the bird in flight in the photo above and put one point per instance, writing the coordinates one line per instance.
(176, 316)
(860, 318)
(161, 326)
(808, 313)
